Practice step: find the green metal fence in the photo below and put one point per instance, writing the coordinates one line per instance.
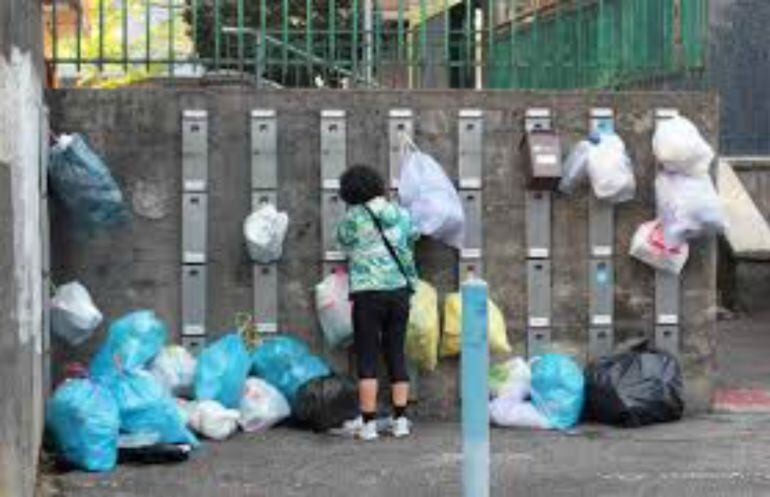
(377, 43)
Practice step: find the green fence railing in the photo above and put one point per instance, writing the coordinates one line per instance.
(377, 43)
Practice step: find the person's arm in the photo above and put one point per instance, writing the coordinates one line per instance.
(413, 233)
(347, 234)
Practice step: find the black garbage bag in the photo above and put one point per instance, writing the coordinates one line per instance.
(325, 403)
(635, 388)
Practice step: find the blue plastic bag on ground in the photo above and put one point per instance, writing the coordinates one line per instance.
(146, 408)
(286, 363)
(222, 370)
(132, 342)
(84, 183)
(558, 389)
(83, 418)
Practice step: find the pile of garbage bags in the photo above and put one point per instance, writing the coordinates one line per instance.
(144, 399)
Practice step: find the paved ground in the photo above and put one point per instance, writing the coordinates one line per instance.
(726, 455)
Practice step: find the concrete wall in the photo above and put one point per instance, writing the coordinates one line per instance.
(20, 245)
(138, 133)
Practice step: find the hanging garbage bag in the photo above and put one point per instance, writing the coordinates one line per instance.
(558, 389)
(174, 368)
(680, 148)
(422, 331)
(325, 403)
(83, 418)
(451, 339)
(635, 388)
(146, 408)
(222, 370)
(262, 406)
(74, 315)
(610, 170)
(431, 199)
(689, 207)
(132, 342)
(335, 311)
(84, 183)
(264, 231)
(512, 379)
(648, 246)
(286, 363)
(212, 420)
(512, 412)
(575, 167)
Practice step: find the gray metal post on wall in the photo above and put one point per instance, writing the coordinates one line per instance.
(43, 342)
(538, 220)
(333, 164)
(194, 221)
(601, 236)
(470, 129)
(667, 288)
(264, 187)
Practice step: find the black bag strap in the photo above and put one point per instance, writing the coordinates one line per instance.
(390, 248)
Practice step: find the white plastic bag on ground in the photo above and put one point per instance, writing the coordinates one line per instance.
(211, 419)
(648, 246)
(335, 309)
(680, 148)
(514, 413)
(688, 206)
(575, 167)
(74, 316)
(431, 199)
(609, 167)
(511, 378)
(174, 368)
(264, 231)
(262, 406)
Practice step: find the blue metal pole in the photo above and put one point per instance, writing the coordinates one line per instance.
(474, 364)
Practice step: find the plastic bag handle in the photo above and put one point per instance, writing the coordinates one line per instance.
(407, 143)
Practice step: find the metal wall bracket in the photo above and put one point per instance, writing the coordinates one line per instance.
(333, 164)
(194, 223)
(537, 119)
(538, 208)
(400, 126)
(470, 130)
(667, 289)
(601, 239)
(264, 185)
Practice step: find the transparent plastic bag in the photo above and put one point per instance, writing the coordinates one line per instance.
(74, 316)
(423, 331)
(575, 167)
(680, 148)
(431, 199)
(84, 183)
(558, 389)
(212, 420)
(689, 207)
(511, 412)
(83, 418)
(132, 342)
(174, 368)
(221, 371)
(262, 406)
(265, 231)
(610, 170)
(335, 311)
(648, 245)
(512, 379)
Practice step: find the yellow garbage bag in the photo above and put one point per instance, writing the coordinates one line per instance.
(422, 332)
(450, 342)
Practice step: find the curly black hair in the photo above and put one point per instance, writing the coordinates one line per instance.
(359, 184)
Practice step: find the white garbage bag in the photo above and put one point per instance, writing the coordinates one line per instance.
(610, 171)
(335, 311)
(649, 246)
(74, 316)
(262, 406)
(688, 206)
(575, 167)
(264, 231)
(174, 368)
(514, 413)
(511, 378)
(680, 148)
(431, 199)
(212, 420)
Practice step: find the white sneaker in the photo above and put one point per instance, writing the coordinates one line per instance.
(349, 428)
(368, 431)
(401, 427)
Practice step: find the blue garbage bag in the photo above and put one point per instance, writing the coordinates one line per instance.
(83, 418)
(558, 389)
(84, 183)
(146, 408)
(222, 370)
(132, 342)
(287, 363)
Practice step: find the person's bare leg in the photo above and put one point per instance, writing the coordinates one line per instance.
(367, 395)
(400, 393)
